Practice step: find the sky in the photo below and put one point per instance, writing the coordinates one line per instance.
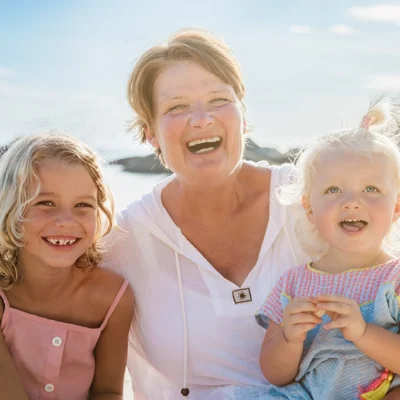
(309, 66)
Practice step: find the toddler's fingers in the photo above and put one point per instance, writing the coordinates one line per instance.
(297, 332)
(304, 318)
(338, 308)
(333, 298)
(339, 323)
(301, 307)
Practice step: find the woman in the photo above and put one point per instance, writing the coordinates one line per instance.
(203, 246)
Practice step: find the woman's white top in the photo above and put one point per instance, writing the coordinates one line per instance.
(189, 331)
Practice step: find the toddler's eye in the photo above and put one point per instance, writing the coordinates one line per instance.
(371, 189)
(333, 189)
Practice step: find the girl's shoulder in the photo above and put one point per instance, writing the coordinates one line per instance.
(103, 286)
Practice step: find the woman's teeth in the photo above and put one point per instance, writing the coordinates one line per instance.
(204, 145)
(61, 242)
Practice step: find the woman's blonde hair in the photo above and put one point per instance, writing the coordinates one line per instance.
(377, 133)
(185, 45)
(19, 172)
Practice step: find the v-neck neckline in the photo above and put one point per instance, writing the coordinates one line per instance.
(191, 252)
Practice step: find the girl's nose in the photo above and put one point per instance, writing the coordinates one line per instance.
(65, 218)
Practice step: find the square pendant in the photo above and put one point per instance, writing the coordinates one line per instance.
(241, 295)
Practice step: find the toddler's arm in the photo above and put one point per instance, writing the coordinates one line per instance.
(374, 341)
(10, 384)
(283, 346)
(394, 394)
(111, 352)
(382, 346)
(279, 359)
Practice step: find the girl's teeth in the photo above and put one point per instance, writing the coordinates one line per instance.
(61, 242)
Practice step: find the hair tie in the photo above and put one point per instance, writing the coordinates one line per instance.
(365, 122)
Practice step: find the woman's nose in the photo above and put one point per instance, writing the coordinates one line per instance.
(201, 117)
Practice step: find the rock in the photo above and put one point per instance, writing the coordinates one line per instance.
(151, 165)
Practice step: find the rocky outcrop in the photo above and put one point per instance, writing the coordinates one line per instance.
(151, 165)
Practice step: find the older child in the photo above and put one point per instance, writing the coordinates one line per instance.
(332, 324)
(65, 322)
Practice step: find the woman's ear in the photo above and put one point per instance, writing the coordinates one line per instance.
(151, 137)
(305, 201)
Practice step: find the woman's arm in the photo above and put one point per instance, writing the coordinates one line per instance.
(10, 384)
(111, 352)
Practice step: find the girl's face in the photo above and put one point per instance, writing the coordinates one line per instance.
(61, 221)
(198, 122)
(354, 200)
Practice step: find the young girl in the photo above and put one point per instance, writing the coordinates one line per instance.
(332, 324)
(64, 321)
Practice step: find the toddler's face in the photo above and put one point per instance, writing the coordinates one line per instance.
(353, 200)
(62, 219)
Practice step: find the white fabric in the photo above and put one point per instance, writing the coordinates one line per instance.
(223, 338)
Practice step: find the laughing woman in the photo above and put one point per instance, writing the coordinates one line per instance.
(205, 247)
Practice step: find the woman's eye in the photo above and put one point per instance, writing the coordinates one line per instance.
(177, 107)
(333, 189)
(220, 101)
(371, 189)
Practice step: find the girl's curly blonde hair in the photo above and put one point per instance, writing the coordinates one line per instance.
(18, 173)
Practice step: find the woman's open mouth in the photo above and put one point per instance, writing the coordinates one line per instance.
(201, 146)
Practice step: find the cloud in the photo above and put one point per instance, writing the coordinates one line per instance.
(4, 71)
(382, 82)
(343, 30)
(383, 13)
(301, 29)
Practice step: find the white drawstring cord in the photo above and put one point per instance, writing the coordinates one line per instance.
(185, 391)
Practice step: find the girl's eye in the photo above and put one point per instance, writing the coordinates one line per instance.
(332, 190)
(45, 203)
(371, 189)
(81, 205)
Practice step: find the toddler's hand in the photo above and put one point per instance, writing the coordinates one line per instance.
(345, 314)
(299, 317)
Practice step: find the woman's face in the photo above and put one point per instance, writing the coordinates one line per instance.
(198, 122)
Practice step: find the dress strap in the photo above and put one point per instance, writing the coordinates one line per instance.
(5, 311)
(114, 303)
